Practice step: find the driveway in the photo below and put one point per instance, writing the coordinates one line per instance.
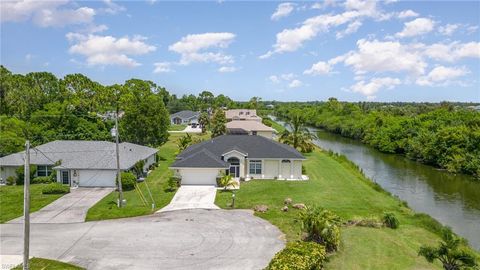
(192, 197)
(70, 208)
(189, 239)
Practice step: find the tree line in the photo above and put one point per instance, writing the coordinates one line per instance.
(444, 135)
(41, 107)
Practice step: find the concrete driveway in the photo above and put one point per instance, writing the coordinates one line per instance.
(192, 197)
(189, 239)
(69, 208)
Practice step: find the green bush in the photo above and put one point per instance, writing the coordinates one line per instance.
(322, 226)
(42, 180)
(55, 188)
(299, 256)
(20, 171)
(11, 180)
(173, 183)
(390, 220)
(128, 181)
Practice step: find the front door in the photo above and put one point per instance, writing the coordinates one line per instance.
(234, 169)
(65, 177)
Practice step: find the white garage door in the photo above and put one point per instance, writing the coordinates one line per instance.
(95, 178)
(199, 176)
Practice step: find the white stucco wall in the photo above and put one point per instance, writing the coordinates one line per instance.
(6, 171)
(270, 169)
(149, 161)
(198, 176)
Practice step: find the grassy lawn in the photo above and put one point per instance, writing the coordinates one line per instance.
(177, 127)
(156, 181)
(337, 185)
(279, 128)
(11, 200)
(45, 264)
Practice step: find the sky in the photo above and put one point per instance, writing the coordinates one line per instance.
(353, 50)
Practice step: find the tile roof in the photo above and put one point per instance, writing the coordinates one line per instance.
(185, 114)
(82, 155)
(248, 126)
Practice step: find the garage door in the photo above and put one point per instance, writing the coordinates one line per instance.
(199, 176)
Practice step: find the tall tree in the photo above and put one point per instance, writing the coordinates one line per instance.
(204, 121)
(146, 119)
(297, 134)
(218, 124)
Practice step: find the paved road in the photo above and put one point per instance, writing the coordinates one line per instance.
(69, 208)
(189, 239)
(192, 197)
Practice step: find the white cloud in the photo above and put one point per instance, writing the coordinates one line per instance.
(283, 10)
(448, 29)
(225, 69)
(162, 67)
(453, 51)
(192, 48)
(274, 79)
(112, 8)
(45, 13)
(323, 4)
(441, 75)
(369, 89)
(295, 84)
(379, 56)
(416, 27)
(319, 68)
(407, 14)
(351, 28)
(108, 50)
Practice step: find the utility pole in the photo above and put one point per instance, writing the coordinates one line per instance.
(26, 208)
(119, 176)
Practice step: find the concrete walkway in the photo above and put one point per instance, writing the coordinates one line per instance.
(189, 239)
(70, 208)
(192, 197)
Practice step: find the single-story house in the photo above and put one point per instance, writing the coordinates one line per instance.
(184, 118)
(80, 163)
(242, 114)
(249, 128)
(244, 157)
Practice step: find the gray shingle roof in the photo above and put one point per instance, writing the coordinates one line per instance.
(254, 146)
(82, 155)
(185, 114)
(200, 159)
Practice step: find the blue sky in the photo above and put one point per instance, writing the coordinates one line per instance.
(354, 50)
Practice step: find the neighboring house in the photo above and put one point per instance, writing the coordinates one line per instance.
(184, 118)
(249, 128)
(270, 106)
(81, 163)
(243, 156)
(242, 114)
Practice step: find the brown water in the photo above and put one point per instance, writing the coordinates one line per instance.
(454, 200)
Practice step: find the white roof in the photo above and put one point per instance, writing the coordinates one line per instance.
(82, 155)
(248, 125)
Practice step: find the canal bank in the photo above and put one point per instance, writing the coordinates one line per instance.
(454, 200)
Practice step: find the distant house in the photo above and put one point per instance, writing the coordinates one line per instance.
(242, 114)
(270, 106)
(184, 118)
(249, 128)
(242, 156)
(81, 163)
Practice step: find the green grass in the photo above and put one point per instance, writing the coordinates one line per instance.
(177, 127)
(11, 200)
(46, 264)
(337, 185)
(156, 181)
(279, 128)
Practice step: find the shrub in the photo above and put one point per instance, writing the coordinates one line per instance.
(42, 180)
(225, 181)
(299, 256)
(128, 181)
(20, 171)
(390, 220)
(55, 188)
(173, 183)
(304, 170)
(11, 180)
(322, 226)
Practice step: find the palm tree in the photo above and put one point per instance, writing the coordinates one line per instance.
(297, 134)
(449, 252)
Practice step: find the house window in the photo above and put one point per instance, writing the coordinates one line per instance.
(247, 113)
(241, 113)
(43, 170)
(286, 161)
(255, 167)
